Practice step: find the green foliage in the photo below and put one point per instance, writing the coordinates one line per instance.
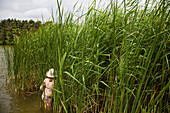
(11, 29)
(115, 60)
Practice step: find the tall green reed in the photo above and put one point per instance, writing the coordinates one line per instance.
(114, 60)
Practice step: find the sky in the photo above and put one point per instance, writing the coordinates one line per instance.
(38, 9)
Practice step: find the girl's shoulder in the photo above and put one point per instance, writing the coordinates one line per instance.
(46, 79)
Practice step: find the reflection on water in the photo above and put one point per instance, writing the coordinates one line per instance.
(11, 102)
(5, 97)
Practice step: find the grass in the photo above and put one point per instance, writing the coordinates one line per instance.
(114, 60)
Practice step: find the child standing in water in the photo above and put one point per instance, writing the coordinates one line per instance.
(49, 85)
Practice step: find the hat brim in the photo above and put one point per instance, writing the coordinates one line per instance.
(50, 75)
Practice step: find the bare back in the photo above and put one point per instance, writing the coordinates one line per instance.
(49, 83)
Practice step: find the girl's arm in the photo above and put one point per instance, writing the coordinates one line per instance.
(43, 84)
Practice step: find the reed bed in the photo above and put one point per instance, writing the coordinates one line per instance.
(115, 59)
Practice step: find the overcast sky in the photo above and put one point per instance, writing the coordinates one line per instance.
(36, 9)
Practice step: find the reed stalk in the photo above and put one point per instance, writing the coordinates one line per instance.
(114, 60)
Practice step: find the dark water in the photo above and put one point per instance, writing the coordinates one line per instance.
(10, 102)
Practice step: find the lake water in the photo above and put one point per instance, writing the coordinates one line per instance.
(10, 102)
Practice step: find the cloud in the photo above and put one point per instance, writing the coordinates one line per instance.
(34, 9)
(37, 13)
(8, 14)
(23, 5)
(26, 9)
(68, 4)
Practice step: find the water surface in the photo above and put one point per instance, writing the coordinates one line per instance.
(10, 102)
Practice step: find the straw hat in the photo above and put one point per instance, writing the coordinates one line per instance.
(50, 73)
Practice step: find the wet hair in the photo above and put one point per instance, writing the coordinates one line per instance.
(50, 79)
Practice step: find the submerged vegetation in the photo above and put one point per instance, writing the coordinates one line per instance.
(108, 60)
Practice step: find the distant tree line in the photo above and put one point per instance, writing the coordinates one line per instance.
(12, 28)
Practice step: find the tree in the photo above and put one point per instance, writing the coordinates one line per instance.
(11, 28)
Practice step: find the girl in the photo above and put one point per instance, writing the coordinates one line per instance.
(49, 85)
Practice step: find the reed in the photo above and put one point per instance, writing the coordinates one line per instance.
(115, 60)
